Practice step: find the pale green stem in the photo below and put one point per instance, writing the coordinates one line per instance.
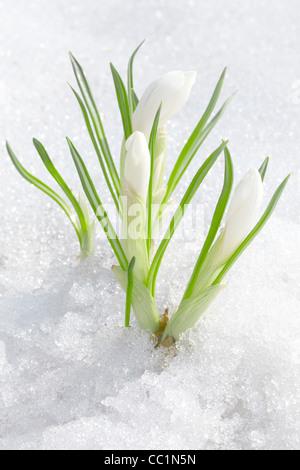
(134, 232)
(87, 242)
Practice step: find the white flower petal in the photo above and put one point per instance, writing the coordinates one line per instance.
(137, 163)
(243, 211)
(172, 90)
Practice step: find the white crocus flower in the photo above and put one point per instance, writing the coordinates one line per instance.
(135, 189)
(137, 164)
(172, 90)
(241, 217)
(242, 213)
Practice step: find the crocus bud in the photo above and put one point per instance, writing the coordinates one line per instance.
(137, 164)
(242, 213)
(172, 90)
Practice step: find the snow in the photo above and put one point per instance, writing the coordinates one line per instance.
(71, 375)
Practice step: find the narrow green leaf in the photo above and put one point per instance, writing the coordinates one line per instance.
(97, 122)
(190, 310)
(135, 100)
(129, 291)
(197, 138)
(189, 151)
(197, 180)
(122, 101)
(143, 303)
(213, 101)
(152, 142)
(83, 205)
(130, 79)
(268, 212)
(97, 206)
(263, 168)
(43, 187)
(96, 147)
(58, 178)
(215, 223)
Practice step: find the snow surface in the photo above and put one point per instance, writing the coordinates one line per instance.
(71, 376)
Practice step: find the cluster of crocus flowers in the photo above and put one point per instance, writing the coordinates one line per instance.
(142, 196)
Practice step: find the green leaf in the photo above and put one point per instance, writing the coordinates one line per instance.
(97, 206)
(131, 99)
(268, 212)
(58, 178)
(213, 101)
(197, 138)
(96, 147)
(97, 122)
(190, 310)
(134, 99)
(263, 168)
(87, 243)
(43, 187)
(129, 291)
(122, 101)
(152, 142)
(215, 223)
(143, 303)
(193, 187)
